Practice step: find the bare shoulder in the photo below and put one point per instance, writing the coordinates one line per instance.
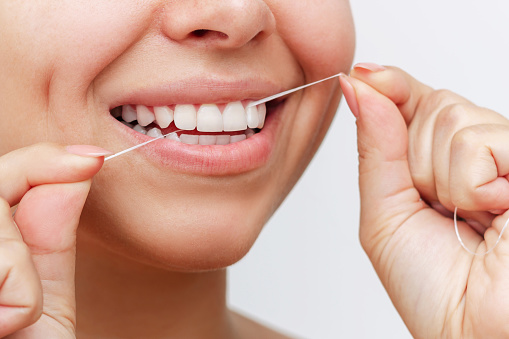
(250, 329)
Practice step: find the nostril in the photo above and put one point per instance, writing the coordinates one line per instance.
(201, 33)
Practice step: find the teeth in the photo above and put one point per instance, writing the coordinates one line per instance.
(189, 139)
(262, 112)
(237, 138)
(173, 136)
(207, 140)
(155, 133)
(185, 117)
(222, 140)
(209, 119)
(128, 113)
(164, 116)
(252, 117)
(234, 117)
(140, 129)
(145, 116)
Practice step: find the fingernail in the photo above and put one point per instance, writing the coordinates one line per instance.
(349, 93)
(88, 150)
(369, 66)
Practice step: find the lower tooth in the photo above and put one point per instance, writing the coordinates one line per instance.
(207, 140)
(189, 139)
(155, 133)
(140, 129)
(237, 138)
(192, 139)
(222, 140)
(173, 136)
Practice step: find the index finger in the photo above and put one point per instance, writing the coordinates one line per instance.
(40, 164)
(400, 87)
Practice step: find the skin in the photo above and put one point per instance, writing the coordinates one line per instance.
(152, 242)
(142, 257)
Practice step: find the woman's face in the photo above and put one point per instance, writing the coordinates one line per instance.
(68, 66)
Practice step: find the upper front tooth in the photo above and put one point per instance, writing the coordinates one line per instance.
(234, 117)
(128, 113)
(185, 117)
(209, 119)
(252, 117)
(164, 116)
(262, 112)
(145, 116)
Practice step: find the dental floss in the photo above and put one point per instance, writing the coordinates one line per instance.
(465, 247)
(275, 96)
(252, 104)
(138, 146)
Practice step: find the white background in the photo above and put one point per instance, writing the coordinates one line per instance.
(307, 274)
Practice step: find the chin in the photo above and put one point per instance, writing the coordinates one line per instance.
(201, 233)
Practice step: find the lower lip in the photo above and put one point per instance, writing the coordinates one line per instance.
(215, 160)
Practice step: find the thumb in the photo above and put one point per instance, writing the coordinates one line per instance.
(388, 196)
(400, 87)
(48, 216)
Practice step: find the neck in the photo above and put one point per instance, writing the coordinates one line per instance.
(119, 298)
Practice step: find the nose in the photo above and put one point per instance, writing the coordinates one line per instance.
(221, 24)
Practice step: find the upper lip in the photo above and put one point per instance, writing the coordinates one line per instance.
(198, 91)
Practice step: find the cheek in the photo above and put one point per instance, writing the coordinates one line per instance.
(74, 37)
(320, 34)
(49, 55)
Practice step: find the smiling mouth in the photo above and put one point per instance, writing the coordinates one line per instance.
(206, 124)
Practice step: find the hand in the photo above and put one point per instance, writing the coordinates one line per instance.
(419, 148)
(37, 246)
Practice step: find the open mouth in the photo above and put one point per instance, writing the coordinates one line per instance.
(205, 124)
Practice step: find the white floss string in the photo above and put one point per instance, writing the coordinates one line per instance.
(465, 247)
(275, 96)
(138, 146)
(254, 103)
